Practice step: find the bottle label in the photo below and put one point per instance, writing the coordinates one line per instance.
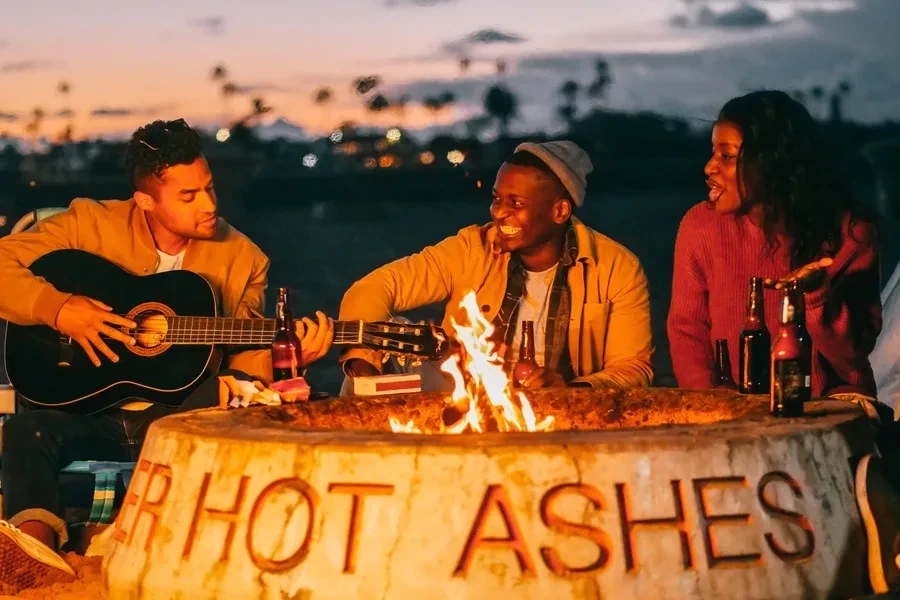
(789, 382)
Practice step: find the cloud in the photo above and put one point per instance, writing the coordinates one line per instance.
(817, 48)
(255, 88)
(8, 117)
(423, 3)
(743, 16)
(482, 37)
(3, 43)
(22, 66)
(147, 111)
(211, 25)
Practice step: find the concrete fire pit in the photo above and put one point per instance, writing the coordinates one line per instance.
(650, 493)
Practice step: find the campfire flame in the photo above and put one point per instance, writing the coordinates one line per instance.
(480, 384)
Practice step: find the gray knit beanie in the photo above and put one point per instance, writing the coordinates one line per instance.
(570, 163)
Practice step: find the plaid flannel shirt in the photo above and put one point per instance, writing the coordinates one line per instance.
(556, 357)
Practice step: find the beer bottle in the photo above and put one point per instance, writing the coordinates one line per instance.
(791, 368)
(285, 344)
(723, 366)
(755, 344)
(526, 364)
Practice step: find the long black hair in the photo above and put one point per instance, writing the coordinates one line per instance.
(787, 170)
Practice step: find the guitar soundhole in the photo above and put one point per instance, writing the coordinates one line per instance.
(152, 328)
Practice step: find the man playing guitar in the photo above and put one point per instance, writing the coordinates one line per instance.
(169, 223)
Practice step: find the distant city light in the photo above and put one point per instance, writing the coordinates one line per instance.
(2, 220)
(223, 134)
(381, 145)
(310, 160)
(386, 161)
(336, 136)
(369, 163)
(426, 157)
(456, 157)
(393, 135)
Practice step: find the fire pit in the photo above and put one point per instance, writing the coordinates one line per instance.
(648, 493)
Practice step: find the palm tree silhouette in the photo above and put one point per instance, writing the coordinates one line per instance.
(322, 98)
(569, 109)
(64, 89)
(501, 104)
(602, 80)
(219, 76)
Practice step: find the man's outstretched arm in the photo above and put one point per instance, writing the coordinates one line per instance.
(405, 284)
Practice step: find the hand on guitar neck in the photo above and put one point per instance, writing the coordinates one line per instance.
(315, 338)
(84, 319)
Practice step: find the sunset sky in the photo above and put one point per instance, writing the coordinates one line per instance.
(131, 62)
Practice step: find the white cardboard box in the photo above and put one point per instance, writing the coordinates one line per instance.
(380, 385)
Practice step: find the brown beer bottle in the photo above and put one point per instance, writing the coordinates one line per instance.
(791, 363)
(526, 364)
(723, 366)
(285, 344)
(755, 344)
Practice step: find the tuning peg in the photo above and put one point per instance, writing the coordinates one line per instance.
(416, 363)
(386, 357)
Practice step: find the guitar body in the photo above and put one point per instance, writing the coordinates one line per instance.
(164, 373)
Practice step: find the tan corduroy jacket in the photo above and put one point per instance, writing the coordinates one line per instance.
(117, 231)
(609, 337)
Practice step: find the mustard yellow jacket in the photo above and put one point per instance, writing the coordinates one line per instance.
(117, 231)
(609, 337)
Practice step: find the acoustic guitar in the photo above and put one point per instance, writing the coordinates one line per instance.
(178, 333)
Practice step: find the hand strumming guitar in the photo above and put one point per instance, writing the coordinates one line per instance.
(84, 319)
(315, 338)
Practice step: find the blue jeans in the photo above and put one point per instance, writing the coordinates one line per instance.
(38, 444)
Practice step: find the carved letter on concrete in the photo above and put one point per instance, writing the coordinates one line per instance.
(708, 520)
(679, 522)
(557, 524)
(310, 498)
(495, 496)
(776, 512)
(131, 499)
(228, 515)
(359, 492)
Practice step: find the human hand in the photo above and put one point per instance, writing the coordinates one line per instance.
(84, 319)
(808, 277)
(315, 338)
(360, 368)
(542, 377)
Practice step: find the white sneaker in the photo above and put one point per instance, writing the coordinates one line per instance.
(24, 561)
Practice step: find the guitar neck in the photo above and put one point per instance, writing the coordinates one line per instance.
(242, 332)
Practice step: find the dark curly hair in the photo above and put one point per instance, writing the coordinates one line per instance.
(788, 171)
(155, 147)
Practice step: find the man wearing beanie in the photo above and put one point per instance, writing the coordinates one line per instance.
(586, 294)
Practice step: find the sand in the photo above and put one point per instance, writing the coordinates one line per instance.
(87, 585)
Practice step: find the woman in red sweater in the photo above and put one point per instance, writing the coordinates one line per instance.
(777, 203)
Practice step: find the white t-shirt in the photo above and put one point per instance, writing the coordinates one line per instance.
(533, 306)
(169, 262)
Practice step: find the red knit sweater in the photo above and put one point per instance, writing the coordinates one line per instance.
(715, 257)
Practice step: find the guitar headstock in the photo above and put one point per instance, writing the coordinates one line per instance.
(416, 340)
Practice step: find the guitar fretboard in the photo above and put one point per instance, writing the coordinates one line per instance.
(238, 331)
